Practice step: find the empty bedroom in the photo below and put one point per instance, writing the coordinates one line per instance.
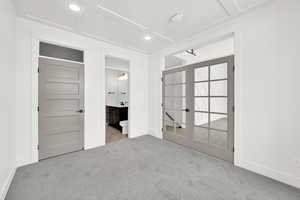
(137, 99)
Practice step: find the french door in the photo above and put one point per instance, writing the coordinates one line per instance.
(198, 106)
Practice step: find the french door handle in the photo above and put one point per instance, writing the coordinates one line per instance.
(187, 110)
(80, 111)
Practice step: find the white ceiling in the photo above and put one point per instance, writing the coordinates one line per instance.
(125, 22)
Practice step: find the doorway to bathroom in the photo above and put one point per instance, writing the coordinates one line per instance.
(116, 98)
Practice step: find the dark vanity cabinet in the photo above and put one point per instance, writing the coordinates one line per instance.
(116, 114)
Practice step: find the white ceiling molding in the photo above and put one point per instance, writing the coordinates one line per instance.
(126, 23)
(220, 2)
(70, 29)
(48, 22)
(251, 6)
(237, 5)
(163, 37)
(122, 17)
(230, 7)
(113, 43)
(141, 26)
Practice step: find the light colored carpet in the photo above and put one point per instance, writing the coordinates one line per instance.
(142, 169)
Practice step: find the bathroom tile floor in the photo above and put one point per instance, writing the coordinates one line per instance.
(113, 134)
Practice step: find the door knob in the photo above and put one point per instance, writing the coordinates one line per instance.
(187, 110)
(80, 111)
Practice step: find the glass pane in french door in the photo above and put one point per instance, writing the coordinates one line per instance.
(210, 105)
(175, 103)
(198, 106)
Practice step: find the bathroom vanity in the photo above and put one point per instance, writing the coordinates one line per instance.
(116, 114)
(116, 98)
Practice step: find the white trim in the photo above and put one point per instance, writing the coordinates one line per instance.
(34, 88)
(71, 30)
(254, 5)
(238, 119)
(173, 67)
(114, 43)
(34, 99)
(44, 21)
(236, 4)
(122, 17)
(105, 54)
(59, 59)
(116, 68)
(271, 173)
(7, 183)
(163, 36)
(152, 132)
(223, 6)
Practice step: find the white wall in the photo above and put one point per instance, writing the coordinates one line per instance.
(156, 65)
(7, 95)
(222, 48)
(28, 34)
(267, 46)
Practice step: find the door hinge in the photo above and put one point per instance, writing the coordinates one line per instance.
(162, 79)
(38, 147)
(162, 105)
(38, 108)
(233, 68)
(233, 149)
(38, 70)
(233, 108)
(162, 129)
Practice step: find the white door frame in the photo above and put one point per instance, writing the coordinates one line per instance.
(208, 38)
(129, 86)
(34, 89)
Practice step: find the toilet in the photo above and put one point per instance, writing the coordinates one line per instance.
(124, 125)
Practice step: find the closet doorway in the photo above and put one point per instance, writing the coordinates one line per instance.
(198, 106)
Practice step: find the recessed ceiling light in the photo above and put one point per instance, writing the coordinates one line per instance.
(74, 7)
(147, 37)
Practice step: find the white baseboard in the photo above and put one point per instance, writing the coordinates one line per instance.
(7, 183)
(270, 173)
(155, 134)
